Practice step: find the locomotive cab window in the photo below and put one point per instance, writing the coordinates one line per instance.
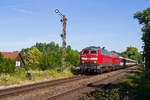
(93, 52)
(86, 52)
(100, 51)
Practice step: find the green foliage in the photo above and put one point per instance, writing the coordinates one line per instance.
(72, 56)
(144, 19)
(23, 52)
(50, 60)
(7, 66)
(33, 57)
(1, 58)
(132, 53)
(44, 63)
(45, 48)
(139, 85)
(42, 47)
(112, 94)
(49, 56)
(142, 83)
(140, 58)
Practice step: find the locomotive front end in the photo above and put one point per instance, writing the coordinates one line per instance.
(89, 60)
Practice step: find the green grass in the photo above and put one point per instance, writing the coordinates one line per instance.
(20, 76)
(130, 79)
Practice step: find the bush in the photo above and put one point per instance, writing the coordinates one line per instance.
(7, 65)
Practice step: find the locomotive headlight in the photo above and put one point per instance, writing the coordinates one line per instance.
(82, 61)
(93, 58)
(94, 61)
(83, 58)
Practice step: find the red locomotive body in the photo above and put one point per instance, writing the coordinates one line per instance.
(98, 60)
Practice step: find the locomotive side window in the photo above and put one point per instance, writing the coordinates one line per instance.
(93, 52)
(100, 51)
(86, 52)
(103, 52)
(115, 55)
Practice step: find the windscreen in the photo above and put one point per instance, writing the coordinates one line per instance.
(93, 52)
(86, 52)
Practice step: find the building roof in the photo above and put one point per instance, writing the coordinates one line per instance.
(12, 55)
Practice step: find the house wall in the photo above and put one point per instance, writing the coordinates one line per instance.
(21, 62)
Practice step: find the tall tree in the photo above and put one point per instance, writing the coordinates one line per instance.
(144, 19)
(33, 57)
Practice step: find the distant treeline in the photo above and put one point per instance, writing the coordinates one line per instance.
(49, 56)
(132, 53)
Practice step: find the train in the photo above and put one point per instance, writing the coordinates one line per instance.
(98, 60)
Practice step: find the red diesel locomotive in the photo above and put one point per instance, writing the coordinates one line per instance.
(98, 60)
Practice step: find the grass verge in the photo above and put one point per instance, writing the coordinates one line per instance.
(20, 76)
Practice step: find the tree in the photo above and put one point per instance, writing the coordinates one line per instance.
(7, 65)
(33, 57)
(1, 60)
(72, 56)
(131, 53)
(42, 47)
(45, 48)
(50, 60)
(144, 19)
(44, 61)
(50, 56)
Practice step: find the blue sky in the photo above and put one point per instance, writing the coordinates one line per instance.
(106, 23)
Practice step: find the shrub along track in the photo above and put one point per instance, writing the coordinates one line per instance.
(57, 89)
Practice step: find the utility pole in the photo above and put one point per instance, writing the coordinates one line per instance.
(63, 36)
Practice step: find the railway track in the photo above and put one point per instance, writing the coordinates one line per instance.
(13, 91)
(88, 87)
(52, 90)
